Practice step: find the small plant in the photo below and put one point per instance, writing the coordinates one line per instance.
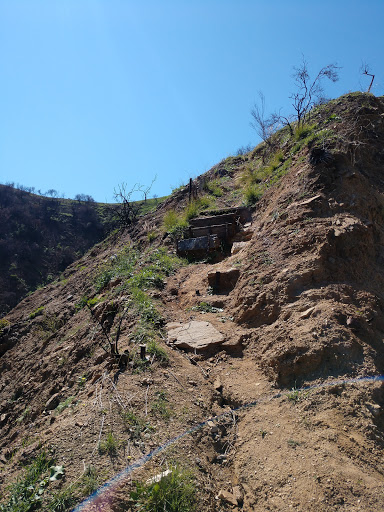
(109, 446)
(160, 406)
(296, 395)
(26, 493)
(134, 424)
(155, 350)
(213, 187)
(205, 307)
(63, 405)
(292, 443)
(37, 312)
(4, 325)
(303, 130)
(24, 415)
(174, 492)
(252, 194)
(89, 481)
(151, 236)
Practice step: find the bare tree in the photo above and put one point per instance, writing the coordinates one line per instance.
(52, 192)
(264, 126)
(365, 70)
(309, 92)
(146, 190)
(127, 210)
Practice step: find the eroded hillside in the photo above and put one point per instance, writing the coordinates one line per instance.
(295, 419)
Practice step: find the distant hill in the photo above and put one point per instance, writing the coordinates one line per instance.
(40, 236)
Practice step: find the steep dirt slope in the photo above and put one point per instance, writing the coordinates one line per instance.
(302, 327)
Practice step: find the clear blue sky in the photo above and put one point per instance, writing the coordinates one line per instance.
(98, 92)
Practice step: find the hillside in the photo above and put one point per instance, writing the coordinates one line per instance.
(40, 236)
(283, 410)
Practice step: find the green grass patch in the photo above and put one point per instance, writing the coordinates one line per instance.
(154, 349)
(63, 405)
(37, 312)
(175, 492)
(109, 446)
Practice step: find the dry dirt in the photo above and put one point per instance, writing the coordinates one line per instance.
(301, 425)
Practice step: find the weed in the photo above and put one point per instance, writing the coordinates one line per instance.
(252, 194)
(159, 407)
(151, 236)
(174, 492)
(146, 308)
(296, 395)
(205, 307)
(155, 350)
(26, 493)
(303, 130)
(89, 481)
(37, 312)
(4, 325)
(63, 405)
(109, 446)
(62, 501)
(174, 224)
(213, 187)
(134, 424)
(24, 415)
(292, 443)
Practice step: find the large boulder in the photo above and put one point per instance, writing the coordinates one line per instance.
(194, 335)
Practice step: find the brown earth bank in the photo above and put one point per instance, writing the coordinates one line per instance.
(290, 416)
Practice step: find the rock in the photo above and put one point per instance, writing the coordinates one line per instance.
(3, 418)
(236, 491)
(307, 313)
(195, 335)
(218, 385)
(374, 409)
(53, 402)
(227, 497)
(158, 477)
(353, 323)
(237, 246)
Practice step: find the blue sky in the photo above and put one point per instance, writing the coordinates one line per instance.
(98, 92)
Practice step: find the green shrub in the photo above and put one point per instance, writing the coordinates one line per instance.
(63, 405)
(303, 130)
(155, 350)
(173, 222)
(174, 492)
(205, 307)
(26, 493)
(109, 446)
(213, 187)
(252, 194)
(4, 325)
(159, 406)
(37, 312)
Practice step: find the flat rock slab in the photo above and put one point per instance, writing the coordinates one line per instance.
(194, 335)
